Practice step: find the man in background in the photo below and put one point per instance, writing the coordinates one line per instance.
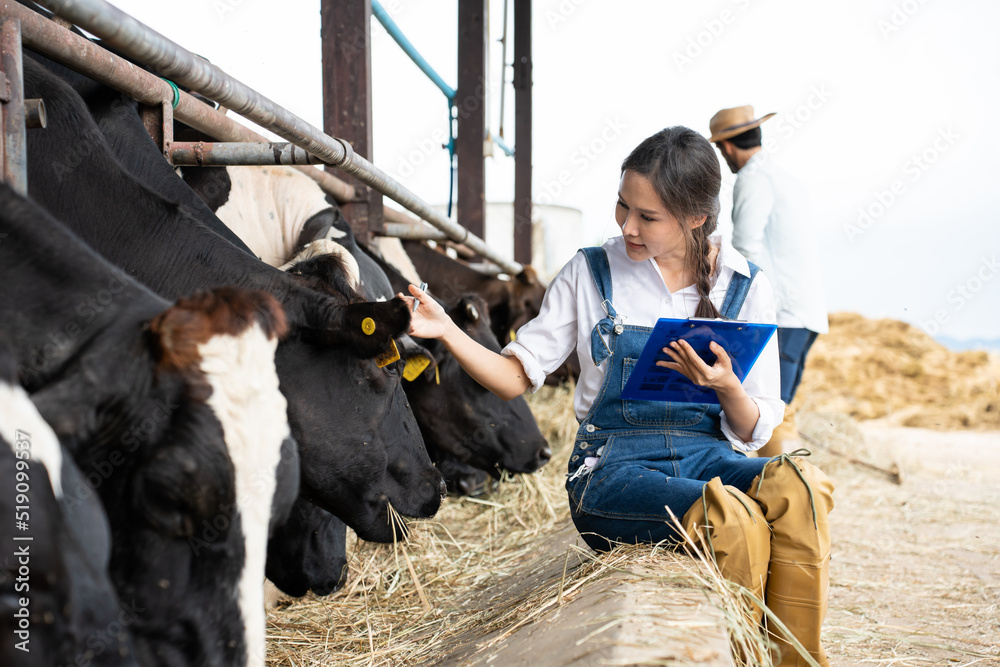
(773, 228)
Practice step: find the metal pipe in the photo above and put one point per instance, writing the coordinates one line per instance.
(34, 114)
(56, 42)
(413, 232)
(15, 150)
(223, 154)
(390, 27)
(143, 44)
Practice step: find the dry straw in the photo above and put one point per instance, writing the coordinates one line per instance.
(421, 601)
(875, 369)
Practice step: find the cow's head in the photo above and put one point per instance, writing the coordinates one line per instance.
(469, 422)
(354, 420)
(308, 552)
(188, 475)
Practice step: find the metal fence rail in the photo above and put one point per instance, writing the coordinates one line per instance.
(141, 43)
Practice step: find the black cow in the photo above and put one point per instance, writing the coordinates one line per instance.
(318, 562)
(173, 415)
(355, 462)
(56, 598)
(459, 417)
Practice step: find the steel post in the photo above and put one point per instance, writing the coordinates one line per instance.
(14, 149)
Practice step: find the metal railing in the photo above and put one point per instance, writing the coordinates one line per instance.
(139, 42)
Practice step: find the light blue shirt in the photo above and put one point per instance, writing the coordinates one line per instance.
(773, 228)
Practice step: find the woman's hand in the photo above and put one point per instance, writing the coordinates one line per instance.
(429, 320)
(719, 376)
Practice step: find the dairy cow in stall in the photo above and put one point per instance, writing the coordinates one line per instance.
(354, 462)
(173, 415)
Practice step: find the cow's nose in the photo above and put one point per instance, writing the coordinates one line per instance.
(443, 488)
(544, 454)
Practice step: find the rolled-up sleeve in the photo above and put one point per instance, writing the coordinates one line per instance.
(545, 342)
(763, 382)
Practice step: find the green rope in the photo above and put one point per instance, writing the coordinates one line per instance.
(177, 92)
(753, 515)
(782, 458)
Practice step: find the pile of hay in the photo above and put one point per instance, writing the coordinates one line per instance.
(435, 595)
(887, 369)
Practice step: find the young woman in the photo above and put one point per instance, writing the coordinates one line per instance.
(635, 463)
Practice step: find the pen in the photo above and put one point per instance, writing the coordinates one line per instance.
(416, 302)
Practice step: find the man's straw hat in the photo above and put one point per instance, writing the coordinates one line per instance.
(730, 122)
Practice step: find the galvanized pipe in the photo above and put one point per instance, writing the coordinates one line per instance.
(56, 42)
(34, 114)
(14, 169)
(414, 232)
(232, 153)
(143, 44)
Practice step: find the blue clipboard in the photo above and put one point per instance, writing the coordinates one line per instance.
(743, 341)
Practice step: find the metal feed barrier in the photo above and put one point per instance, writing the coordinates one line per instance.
(144, 45)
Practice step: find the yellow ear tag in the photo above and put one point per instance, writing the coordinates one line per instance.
(437, 375)
(513, 336)
(389, 356)
(368, 326)
(415, 366)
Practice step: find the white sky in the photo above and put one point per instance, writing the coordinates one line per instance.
(861, 87)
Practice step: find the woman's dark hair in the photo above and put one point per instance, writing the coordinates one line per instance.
(684, 171)
(748, 139)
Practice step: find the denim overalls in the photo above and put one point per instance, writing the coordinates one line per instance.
(634, 458)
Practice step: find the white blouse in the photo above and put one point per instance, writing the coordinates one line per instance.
(572, 307)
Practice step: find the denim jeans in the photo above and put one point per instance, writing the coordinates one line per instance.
(793, 346)
(634, 459)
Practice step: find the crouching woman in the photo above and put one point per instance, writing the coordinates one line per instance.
(634, 463)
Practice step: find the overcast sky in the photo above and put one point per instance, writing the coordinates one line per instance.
(886, 110)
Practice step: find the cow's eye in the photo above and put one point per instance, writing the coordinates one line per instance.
(396, 367)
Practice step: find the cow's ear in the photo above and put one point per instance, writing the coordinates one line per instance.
(366, 328)
(528, 276)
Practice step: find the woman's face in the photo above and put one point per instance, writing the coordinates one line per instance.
(650, 230)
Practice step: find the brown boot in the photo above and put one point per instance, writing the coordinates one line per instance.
(797, 498)
(730, 526)
(785, 437)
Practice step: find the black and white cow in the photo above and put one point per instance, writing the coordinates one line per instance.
(56, 598)
(359, 446)
(173, 414)
(273, 209)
